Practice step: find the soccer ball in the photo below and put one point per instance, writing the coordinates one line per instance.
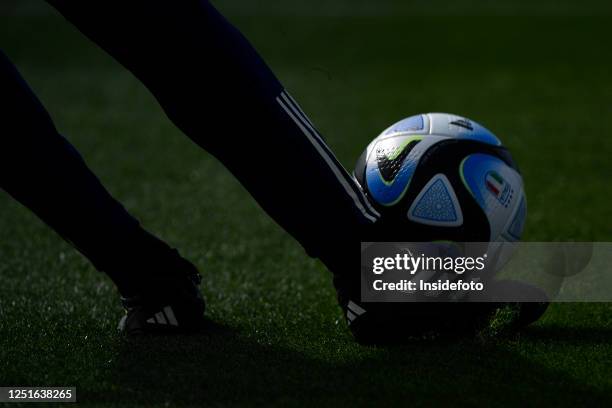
(440, 176)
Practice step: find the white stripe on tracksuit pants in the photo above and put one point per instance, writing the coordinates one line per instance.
(301, 120)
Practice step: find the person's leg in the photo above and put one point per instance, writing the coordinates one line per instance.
(216, 88)
(43, 171)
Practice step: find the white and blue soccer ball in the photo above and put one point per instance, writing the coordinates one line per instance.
(439, 176)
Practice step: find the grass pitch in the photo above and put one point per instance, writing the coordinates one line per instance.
(535, 73)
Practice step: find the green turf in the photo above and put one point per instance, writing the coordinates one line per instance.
(536, 74)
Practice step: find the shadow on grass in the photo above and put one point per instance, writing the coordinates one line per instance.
(570, 335)
(223, 368)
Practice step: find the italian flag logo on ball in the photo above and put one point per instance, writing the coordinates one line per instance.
(497, 186)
